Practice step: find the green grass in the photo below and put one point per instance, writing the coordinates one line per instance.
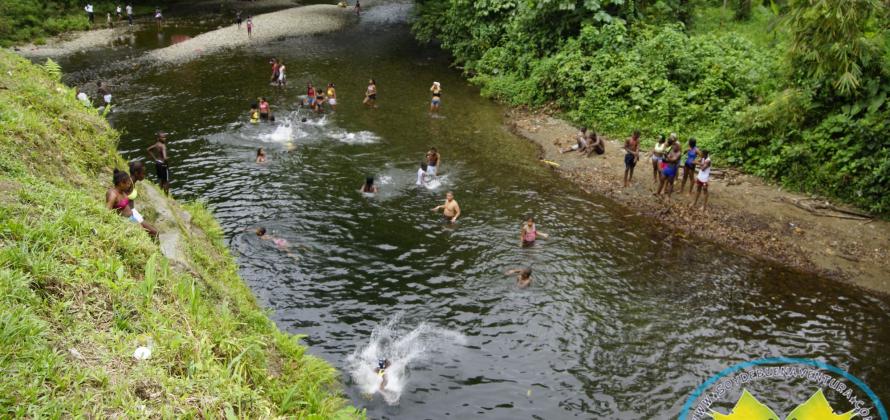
(74, 275)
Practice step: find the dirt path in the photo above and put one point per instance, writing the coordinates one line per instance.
(744, 212)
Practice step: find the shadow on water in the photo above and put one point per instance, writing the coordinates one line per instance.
(624, 319)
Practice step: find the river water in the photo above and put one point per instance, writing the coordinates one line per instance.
(624, 318)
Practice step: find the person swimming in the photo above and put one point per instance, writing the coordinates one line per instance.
(380, 370)
(523, 278)
(260, 155)
(280, 243)
(368, 187)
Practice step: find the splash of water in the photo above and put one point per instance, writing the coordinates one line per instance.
(393, 341)
(360, 137)
(283, 133)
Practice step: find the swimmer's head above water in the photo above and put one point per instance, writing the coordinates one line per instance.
(382, 364)
(261, 231)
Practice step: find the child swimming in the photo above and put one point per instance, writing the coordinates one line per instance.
(524, 277)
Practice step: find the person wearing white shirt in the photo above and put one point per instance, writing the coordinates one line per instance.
(130, 14)
(89, 10)
(422, 177)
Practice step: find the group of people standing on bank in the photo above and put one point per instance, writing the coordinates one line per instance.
(668, 157)
(119, 13)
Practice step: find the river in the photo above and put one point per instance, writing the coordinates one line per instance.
(624, 318)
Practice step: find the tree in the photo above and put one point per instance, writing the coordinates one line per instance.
(833, 41)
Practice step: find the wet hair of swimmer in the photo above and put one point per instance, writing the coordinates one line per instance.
(260, 231)
(526, 273)
(260, 152)
(423, 166)
(369, 181)
(382, 363)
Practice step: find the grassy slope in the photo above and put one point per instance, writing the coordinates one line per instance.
(74, 275)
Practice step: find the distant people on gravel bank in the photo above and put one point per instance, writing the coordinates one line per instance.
(90, 15)
(116, 199)
(689, 166)
(250, 26)
(238, 19)
(631, 156)
(129, 14)
(704, 176)
(160, 159)
(658, 156)
(159, 18)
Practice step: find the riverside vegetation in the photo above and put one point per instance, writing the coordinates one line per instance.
(81, 287)
(791, 90)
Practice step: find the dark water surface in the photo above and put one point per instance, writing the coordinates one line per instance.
(624, 319)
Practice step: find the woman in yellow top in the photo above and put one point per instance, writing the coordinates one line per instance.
(657, 156)
(332, 96)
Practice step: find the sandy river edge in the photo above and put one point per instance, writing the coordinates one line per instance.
(745, 213)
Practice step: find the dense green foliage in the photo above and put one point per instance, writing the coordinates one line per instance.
(81, 288)
(794, 91)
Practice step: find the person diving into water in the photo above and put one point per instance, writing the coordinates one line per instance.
(380, 370)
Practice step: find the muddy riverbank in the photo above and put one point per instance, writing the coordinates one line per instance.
(744, 212)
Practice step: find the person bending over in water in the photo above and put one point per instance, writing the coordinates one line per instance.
(529, 233)
(422, 177)
(380, 370)
(260, 155)
(450, 210)
(433, 162)
(523, 278)
(368, 187)
(116, 198)
(436, 89)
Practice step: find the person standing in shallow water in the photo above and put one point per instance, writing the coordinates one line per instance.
(161, 165)
(529, 233)
(436, 89)
(450, 209)
(371, 94)
(332, 96)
